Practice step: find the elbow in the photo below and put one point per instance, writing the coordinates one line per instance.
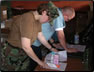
(25, 47)
(25, 42)
(61, 37)
(39, 35)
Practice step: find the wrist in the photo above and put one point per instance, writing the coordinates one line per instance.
(50, 49)
(66, 49)
(40, 63)
(52, 43)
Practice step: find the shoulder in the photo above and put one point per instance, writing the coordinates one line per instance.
(28, 15)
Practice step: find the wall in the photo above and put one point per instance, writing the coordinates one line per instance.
(33, 4)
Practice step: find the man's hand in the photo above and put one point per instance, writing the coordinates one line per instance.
(54, 50)
(72, 50)
(58, 45)
(44, 65)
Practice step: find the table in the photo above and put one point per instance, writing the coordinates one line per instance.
(73, 64)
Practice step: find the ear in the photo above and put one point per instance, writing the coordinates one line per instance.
(65, 17)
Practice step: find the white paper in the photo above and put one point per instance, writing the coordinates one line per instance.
(63, 55)
(80, 48)
(61, 68)
(52, 65)
(62, 58)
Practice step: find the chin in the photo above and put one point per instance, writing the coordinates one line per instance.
(66, 20)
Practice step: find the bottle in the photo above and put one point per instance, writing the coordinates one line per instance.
(56, 58)
(76, 39)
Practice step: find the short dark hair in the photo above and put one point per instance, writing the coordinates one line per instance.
(43, 7)
(68, 9)
(50, 8)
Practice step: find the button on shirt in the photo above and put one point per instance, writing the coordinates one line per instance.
(48, 30)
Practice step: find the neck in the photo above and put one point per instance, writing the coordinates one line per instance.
(36, 15)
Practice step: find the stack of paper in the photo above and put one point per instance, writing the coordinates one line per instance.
(80, 48)
(62, 58)
(54, 67)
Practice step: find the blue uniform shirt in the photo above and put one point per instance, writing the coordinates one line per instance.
(48, 30)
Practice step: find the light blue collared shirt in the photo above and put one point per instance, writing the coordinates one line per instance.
(48, 30)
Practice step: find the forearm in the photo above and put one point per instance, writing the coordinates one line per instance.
(32, 55)
(42, 39)
(26, 46)
(62, 40)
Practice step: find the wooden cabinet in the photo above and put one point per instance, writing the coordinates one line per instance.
(3, 13)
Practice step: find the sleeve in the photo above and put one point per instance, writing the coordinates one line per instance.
(59, 22)
(26, 27)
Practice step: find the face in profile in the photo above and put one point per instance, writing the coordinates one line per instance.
(44, 17)
(68, 17)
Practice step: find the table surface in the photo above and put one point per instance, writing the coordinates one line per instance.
(73, 64)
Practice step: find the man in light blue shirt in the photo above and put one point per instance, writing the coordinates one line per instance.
(65, 14)
(48, 30)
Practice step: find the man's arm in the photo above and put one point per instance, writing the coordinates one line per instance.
(42, 39)
(56, 45)
(62, 41)
(26, 45)
(61, 38)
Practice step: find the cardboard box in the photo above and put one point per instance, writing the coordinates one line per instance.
(3, 13)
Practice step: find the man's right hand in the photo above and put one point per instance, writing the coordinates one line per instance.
(44, 65)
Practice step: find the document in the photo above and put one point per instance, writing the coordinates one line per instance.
(62, 58)
(80, 48)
